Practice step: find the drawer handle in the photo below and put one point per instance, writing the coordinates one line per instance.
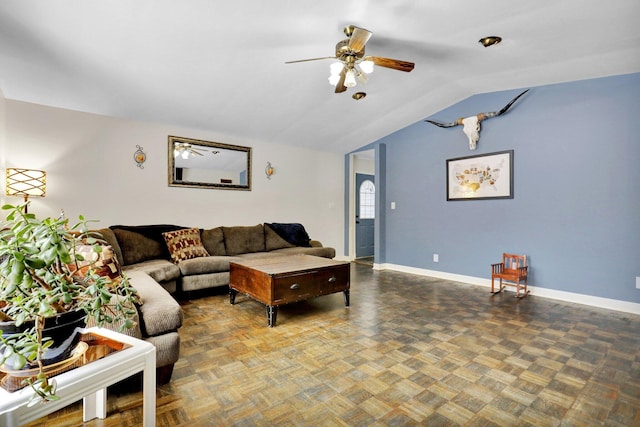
(332, 279)
(295, 286)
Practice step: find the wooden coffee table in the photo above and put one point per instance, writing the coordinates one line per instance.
(274, 281)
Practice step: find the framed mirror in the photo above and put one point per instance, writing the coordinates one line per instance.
(206, 164)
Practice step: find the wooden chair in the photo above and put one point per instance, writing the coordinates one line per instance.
(512, 271)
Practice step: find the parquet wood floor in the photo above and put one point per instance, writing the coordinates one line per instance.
(410, 350)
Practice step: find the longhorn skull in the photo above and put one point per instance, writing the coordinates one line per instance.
(471, 125)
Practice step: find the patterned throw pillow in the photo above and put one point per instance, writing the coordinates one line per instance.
(103, 263)
(184, 244)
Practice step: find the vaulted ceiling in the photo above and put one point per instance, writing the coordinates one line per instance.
(220, 65)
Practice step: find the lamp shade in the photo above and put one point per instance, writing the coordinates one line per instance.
(26, 182)
(350, 79)
(336, 68)
(334, 79)
(366, 66)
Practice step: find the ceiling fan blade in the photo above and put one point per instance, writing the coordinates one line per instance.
(311, 59)
(359, 38)
(340, 87)
(395, 64)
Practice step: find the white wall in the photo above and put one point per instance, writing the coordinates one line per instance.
(364, 165)
(3, 144)
(91, 171)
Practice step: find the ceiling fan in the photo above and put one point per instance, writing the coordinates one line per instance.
(352, 61)
(184, 150)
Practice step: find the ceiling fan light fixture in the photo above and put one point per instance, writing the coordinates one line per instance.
(350, 63)
(362, 77)
(366, 66)
(350, 79)
(336, 68)
(490, 41)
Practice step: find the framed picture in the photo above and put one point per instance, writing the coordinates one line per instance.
(487, 176)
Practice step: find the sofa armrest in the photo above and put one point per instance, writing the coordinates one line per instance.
(159, 312)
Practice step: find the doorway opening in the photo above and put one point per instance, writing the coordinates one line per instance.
(362, 207)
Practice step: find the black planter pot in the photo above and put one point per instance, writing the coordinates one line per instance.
(64, 331)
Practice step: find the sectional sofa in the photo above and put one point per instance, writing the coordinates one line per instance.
(144, 248)
(167, 262)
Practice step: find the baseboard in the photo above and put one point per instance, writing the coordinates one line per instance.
(610, 304)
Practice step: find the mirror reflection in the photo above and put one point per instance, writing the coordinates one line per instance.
(206, 164)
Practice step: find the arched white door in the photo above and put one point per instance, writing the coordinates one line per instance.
(365, 215)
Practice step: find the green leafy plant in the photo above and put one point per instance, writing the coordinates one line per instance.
(40, 264)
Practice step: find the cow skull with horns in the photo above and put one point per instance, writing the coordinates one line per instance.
(471, 125)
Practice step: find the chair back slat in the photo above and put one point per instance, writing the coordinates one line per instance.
(513, 262)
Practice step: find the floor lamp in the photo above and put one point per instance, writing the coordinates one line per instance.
(26, 182)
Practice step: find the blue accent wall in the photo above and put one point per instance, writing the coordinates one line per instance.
(576, 205)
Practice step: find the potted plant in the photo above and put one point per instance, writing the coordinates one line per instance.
(49, 270)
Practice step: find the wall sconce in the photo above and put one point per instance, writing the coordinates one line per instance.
(26, 182)
(269, 170)
(139, 156)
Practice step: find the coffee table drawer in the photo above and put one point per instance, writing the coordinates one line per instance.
(299, 286)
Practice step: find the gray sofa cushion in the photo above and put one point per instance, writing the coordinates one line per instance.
(204, 265)
(204, 281)
(167, 348)
(137, 247)
(315, 251)
(257, 255)
(143, 242)
(272, 240)
(213, 241)
(160, 270)
(243, 239)
(160, 313)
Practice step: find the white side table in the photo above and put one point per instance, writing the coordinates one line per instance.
(90, 382)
